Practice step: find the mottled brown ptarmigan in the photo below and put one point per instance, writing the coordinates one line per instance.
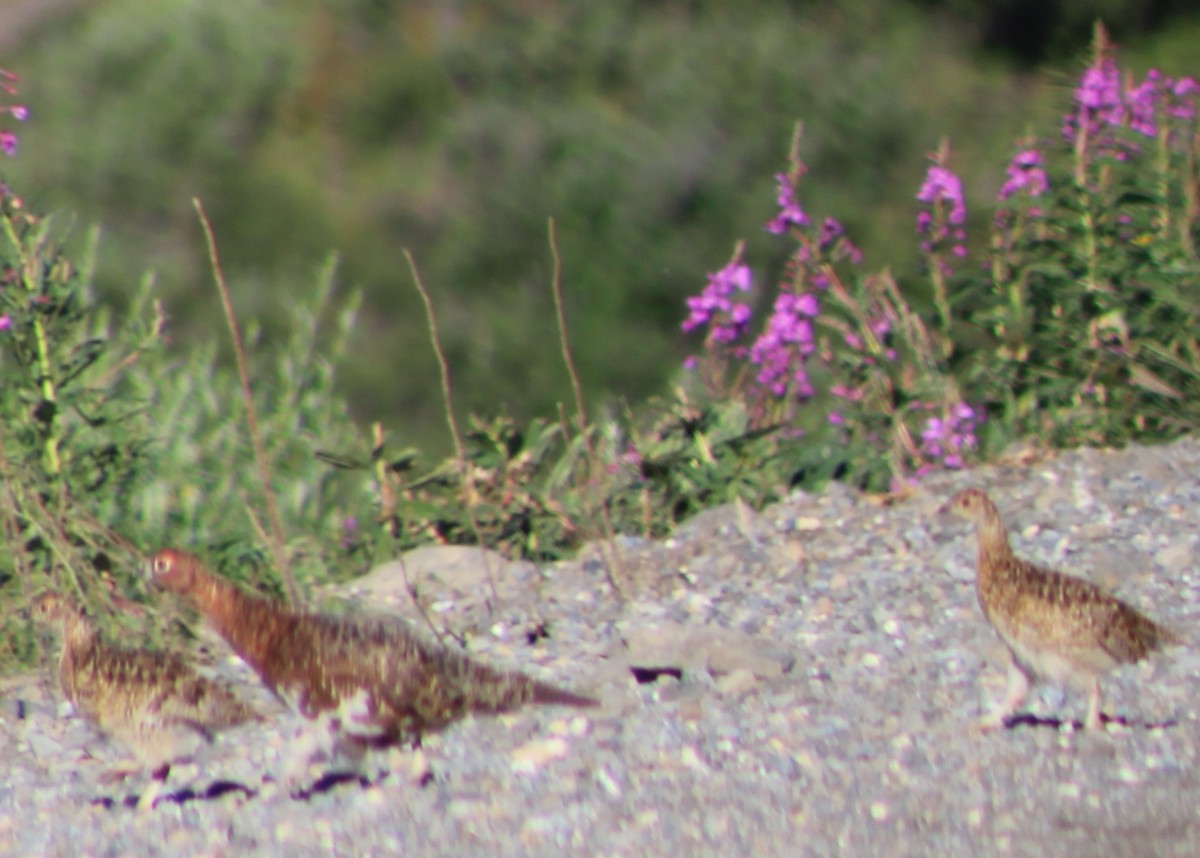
(369, 681)
(151, 702)
(1057, 627)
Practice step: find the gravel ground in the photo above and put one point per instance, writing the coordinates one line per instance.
(818, 668)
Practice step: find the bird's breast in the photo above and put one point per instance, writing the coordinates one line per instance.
(344, 707)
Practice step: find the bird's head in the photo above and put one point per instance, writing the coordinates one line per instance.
(172, 570)
(52, 607)
(971, 504)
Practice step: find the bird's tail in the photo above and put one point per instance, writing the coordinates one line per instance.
(549, 695)
(1164, 636)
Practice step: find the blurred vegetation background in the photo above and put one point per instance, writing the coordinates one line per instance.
(649, 131)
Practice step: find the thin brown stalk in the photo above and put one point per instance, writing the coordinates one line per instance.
(564, 341)
(387, 494)
(460, 450)
(387, 517)
(411, 588)
(276, 543)
(12, 527)
(615, 568)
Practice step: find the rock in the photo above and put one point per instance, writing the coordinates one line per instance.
(459, 568)
(711, 649)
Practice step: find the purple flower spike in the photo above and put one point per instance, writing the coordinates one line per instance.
(790, 213)
(944, 439)
(942, 185)
(8, 140)
(1025, 173)
(714, 299)
(1142, 101)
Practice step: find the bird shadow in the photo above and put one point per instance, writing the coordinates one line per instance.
(333, 780)
(328, 782)
(1027, 719)
(212, 792)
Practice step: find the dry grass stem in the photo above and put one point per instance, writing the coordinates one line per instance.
(460, 452)
(277, 542)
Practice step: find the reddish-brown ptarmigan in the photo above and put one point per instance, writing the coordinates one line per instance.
(369, 681)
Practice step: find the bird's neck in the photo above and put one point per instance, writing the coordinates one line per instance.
(78, 634)
(78, 638)
(242, 619)
(993, 540)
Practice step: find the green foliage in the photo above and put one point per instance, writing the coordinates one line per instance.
(1079, 328)
(205, 491)
(1084, 333)
(113, 445)
(646, 130)
(75, 439)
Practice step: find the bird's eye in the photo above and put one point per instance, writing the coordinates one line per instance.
(160, 565)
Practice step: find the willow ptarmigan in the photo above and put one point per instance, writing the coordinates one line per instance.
(152, 702)
(368, 680)
(1057, 627)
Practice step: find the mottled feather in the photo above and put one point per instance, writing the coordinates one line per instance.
(382, 681)
(152, 702)
(1056, 626)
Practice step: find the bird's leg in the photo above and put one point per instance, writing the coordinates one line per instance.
(119, 774)
(158, 779)
(1018, 688)
(310, 745)
(1093, 720)
(410, 763)
(349, 754)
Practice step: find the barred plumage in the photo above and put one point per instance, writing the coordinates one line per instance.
(371, 677)
(152, 702)
(1057, 627)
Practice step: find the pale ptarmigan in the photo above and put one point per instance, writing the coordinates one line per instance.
(152, 702)
(1056, 626)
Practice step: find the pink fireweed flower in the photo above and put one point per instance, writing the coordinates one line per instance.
(831, 230)
(8, 140)
(790, 213)
(783, 346)
(1098, 96)
(5, 322)
(945, 439)
(942, 185)
(713, 306)
(1025, 173)
(1103, 105)
(1181, 103)
(942, 188)
(1142, 104)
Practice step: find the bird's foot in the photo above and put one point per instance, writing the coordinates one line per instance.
(148, 799)
(327, 782)
(115, 776)
(411, 766)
